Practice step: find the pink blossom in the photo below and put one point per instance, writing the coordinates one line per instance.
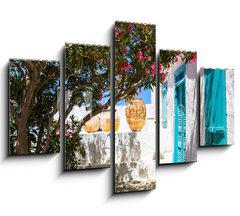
(67, 133)
(116, 31)
(149, 58)
(126, 66)
(153, 68)
(139, 91)
(194, 58)
(163, 77)
(160, 68)
(146, 72)
(176, 59)
(140, 55)
(130, 27)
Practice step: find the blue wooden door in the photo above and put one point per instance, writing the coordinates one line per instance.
(180, 116)
(215, 107)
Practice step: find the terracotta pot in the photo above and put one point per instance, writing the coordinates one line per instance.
(92, 125)
(106, 121)
(136, 114)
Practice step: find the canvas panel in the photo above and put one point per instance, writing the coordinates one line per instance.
(178, 107)
(135, 81)
(87, 106)
(34, 123)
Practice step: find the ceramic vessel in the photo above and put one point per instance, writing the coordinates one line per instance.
(136, 114)
(92, 125)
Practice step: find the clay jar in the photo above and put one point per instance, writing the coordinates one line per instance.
(136, 114)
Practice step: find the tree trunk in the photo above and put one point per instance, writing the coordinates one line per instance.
(22, 141)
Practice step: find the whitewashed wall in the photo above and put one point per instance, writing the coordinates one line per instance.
(230, 105)
(167, 134)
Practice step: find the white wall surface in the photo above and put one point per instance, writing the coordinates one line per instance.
(37, 185)
(230, 105)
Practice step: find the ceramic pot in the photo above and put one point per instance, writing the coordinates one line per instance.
(106, 121)
(136, 114)
(92, 125)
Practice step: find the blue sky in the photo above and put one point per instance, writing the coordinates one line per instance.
(145, 95)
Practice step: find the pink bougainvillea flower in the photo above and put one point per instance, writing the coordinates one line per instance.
(163, 78)
(140, 55)
(160, 68)
(126, 66)
(139, 91)
(67, 133)
(130, 27)
(149, 58)
(154, 72)
(153, 68)
(146, 72)
(194, 58)
(116, 31)
(176, 59)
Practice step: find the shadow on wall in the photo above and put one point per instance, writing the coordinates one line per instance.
(191, 153)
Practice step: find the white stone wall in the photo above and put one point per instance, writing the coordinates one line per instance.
(167, 134)
(230, 105)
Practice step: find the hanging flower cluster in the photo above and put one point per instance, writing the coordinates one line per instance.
(134, 57)
(170, 57)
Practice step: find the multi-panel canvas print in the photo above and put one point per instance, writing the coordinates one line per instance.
(135, 81)
(178, 107)
(34, 124)
(216, 107)
(87, 106)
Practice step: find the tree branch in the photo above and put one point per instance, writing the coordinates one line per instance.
(31, 92)
(122, 95)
